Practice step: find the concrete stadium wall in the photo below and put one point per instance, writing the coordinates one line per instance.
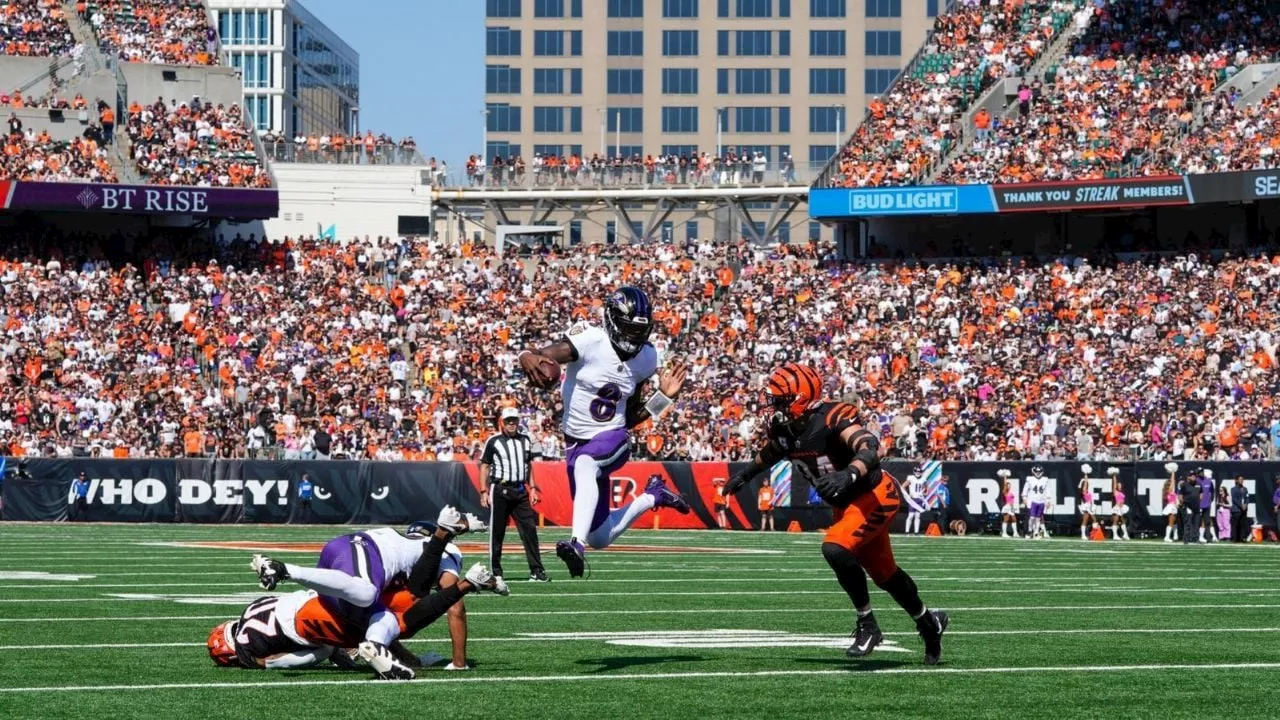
(357, 200)
(215, 84)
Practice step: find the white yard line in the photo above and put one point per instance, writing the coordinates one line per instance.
(737, 611)
(850, 671)
(557, 637)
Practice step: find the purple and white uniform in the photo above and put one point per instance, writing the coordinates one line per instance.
(376, 556)
(596, 389)
(1035, 492)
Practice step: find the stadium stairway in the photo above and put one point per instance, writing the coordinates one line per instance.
(1000, 99)
(1254, 82)
(93, 56)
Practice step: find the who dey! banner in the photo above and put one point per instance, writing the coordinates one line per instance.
(375, 493)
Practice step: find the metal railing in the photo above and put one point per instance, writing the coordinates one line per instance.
(633, 175)
(350, 154)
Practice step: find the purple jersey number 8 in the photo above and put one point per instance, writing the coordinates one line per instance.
(605, 405)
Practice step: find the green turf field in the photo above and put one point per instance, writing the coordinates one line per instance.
(1046, 629)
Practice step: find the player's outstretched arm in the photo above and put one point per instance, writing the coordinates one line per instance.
(839, 487)
(767, 457)
(670, 383)
(535, 363)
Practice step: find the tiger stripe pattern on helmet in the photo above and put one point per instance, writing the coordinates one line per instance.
(799, 386)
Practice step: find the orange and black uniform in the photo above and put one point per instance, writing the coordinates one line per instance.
(862, 525)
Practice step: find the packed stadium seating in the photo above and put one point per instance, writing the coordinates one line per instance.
(35, 28)
(167, 32)
(194, 143)
(407, 349)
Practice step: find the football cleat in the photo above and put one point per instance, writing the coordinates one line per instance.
(383, 662)
(539, 577)
(270, 572)
(664, 497)
(482, 579)
(573, 555)
(865, 638)
(931, 626)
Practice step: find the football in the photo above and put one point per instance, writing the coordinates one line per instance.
(546, 374)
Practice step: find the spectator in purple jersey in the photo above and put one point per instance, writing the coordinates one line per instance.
(1275, 507)
(1207, 496)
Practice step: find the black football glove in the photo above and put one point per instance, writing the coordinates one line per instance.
(737, 482)
(837, 488)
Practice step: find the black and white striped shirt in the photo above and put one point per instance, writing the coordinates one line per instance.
(509, 458)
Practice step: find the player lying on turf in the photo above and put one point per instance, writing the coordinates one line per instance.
(604, 396)
(299, 629)
(827, 443)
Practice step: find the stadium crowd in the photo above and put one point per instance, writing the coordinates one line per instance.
(194, 143)
(29, 155)
(406, 349)
(166, 32)
(367, 149)
(34, 28)
(731, 167)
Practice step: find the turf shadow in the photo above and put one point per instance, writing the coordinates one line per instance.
(853, 666)
(622, 663)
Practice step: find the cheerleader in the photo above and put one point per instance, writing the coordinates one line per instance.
(1009, 510)
(1088, 520)
(1224, 513)
(1170, 510)
(1119, 509)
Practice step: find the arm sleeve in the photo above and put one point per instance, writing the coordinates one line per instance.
(424, 572)
(299, 659)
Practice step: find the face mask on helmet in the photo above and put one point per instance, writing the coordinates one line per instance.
(222, 644)
(627, 320)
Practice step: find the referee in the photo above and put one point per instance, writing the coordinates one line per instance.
(507, 478)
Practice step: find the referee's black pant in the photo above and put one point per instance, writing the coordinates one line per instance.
(506, 502)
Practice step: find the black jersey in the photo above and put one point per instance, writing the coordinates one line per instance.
(258, 633)
(814, 438)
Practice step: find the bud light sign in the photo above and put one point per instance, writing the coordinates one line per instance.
(879, 202)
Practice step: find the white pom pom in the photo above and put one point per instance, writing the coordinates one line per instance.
(1113, 471)
(1208, 473)
(1086, 468)
(1171, 467)
(1003, 473)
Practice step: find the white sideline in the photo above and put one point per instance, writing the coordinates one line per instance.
(851, 671)
(685, 611)
(555, 637)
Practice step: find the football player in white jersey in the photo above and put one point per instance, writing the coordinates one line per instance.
(915, 495)
(604, 391)
(355, 570)
(1035, 495)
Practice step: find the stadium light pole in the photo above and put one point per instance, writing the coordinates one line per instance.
(839, 117)
(484, 133)
(601, 112)
(719, 110)
(617, 131)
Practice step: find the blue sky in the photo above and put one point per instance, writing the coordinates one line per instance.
(421, 68)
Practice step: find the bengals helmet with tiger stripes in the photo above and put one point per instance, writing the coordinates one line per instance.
(794, 389)
(222, 644)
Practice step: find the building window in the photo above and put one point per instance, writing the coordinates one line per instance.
(626, 8)
(784, 43)
(679, 8)
(754, 42)
(826, 81)
(931, 8)
(722, 8)
(679, 150)
(784, 119)
(884, 8)
(679, 81)
(722, 81)
(679, 43)
(878, 80)
(884, 42)
(626, 42)
(722, 43)
(624, 151)
(548, 150)
(575, 226)
(548, 8)
(691, 230)
(827, 119)
(753, 119)
(502, 9)
(575, 121)
(679, 119)
(820, 154)
(624, 82)
(501, 41)
(784, 8)
(502, 117)
(502, 149)
(575, 81)
(752, 81)
(575, 43)
(575, 8)
(548, 81)
(626, 119)
(784, 81)
(827, 8)
(826, 43)
(548, 43)
(548, 119)
(501, 80)
(755, 8)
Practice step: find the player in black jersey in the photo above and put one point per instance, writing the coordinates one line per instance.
(827, 444)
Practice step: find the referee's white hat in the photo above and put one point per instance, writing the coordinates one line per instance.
(510, 413)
